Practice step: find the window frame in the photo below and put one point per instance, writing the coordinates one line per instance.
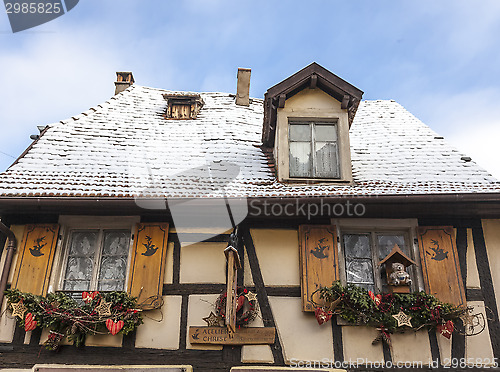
(70, 224)
(312, 125)
(372, 227)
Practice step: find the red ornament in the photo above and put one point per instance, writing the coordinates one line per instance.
(322, 316)
(446, 329)
(376, 298)
(89, 296)
(29, 322)
(114, 327)
(240, 302)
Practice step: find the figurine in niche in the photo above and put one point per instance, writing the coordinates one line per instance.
(399, 276)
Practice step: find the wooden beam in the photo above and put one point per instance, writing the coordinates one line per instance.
(345, 102)
(314, 81)
(281, 101)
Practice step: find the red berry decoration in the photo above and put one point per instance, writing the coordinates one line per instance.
(246, 306)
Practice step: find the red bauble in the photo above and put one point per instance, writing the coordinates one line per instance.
(322, 316)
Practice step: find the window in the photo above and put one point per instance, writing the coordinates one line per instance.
(364, 250)
(313, 150)
(182, 106)
(96, 260)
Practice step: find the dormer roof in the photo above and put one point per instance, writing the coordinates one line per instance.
(312, 76)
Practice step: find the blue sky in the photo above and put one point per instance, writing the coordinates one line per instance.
(439, 59)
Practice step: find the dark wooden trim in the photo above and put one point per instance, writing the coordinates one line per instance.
(183, 325)
(36, 334)
(177, 289)
(386, 350)
(458, 340)
(433, 341)
(129, 340)
(176, 271)
(483, 268)
(241, 252)
(284, 291)
(197, 237)
(265, 307)
(456, 222)
(338, 343)
(18, 338)
(474, 294)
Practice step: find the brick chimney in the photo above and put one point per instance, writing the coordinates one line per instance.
(123, 81)
(243, 88)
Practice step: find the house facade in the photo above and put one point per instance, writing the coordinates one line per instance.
(309, 186)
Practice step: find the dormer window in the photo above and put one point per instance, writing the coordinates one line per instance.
(313, 150)
(182, 106)
(306, 121)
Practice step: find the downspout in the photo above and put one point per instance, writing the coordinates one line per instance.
(11, 248)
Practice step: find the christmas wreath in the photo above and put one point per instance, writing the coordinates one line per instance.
(246, 306)
(389, 312)
(98, 313)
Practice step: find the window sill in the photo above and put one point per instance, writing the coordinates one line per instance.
(318, 181)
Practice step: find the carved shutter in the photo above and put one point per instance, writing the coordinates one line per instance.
(35, 257)
(319, 260)
(147, 266)
(440, 265)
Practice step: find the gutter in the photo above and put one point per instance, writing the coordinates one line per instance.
(11, 248)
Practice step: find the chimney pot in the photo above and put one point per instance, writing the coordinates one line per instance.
(243, 87)
(124, 79)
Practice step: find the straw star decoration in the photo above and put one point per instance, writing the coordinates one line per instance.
(403, 319)
(212, 320)
(251, 296)
(104, 308)
(19, 309)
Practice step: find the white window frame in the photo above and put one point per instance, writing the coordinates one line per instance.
(70, 224)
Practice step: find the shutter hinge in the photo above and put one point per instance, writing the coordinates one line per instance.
(415, 241)
(132, 237)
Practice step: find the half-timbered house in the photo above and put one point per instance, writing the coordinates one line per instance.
(308, 186)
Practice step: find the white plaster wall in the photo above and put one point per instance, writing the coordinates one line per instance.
(300, 334)
(479, 347)
(203, 263)
(169, 267)
(161, 331)
(278, 254)
(491, 229)
(257, 353)
(472, 273)
(411, 347)
(357, 342)
(7, 324)
(199, 307)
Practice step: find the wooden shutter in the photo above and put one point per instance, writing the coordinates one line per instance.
(440, 265)
(35, 257)
(148, 260)
(319, 260)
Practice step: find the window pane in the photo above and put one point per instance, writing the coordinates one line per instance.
(326, 160)
(300, 132)
(359, 270)
(325, 132)
(300, 159)
(113, 268)
(357, 245)
(83, 243)
(77, 285)
(387, 242)
(116, 243)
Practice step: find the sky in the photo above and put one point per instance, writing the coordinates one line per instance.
(439, 59)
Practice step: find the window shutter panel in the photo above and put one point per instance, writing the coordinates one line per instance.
(35, 258)
(319, 260)
(440, 265)
(147, 266)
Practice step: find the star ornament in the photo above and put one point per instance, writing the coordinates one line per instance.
(251, 296)
(403, 319)
(104, 308)
(212, 320)
(19, 309)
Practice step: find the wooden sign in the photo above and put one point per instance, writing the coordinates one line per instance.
(319, 260)
(233, 264)
(222, 336)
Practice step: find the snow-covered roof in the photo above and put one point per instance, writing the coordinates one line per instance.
(125, 147)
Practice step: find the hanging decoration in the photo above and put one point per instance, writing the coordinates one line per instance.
(213, 320)
(389, 312)
(98, 313)
(246, 309)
